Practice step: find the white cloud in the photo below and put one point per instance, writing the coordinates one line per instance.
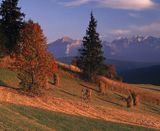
(134, 15)
(76, 2)
(120, 4)
(120, 32)
(150, 29)
(129, 4)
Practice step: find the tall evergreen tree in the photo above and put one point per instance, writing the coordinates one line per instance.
(91, 55)
(2, 42)
(11, 22)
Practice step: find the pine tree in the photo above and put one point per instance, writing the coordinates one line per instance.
(91, 55)
(11, 22)
(2, 44)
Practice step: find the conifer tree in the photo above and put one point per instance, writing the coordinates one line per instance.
(11, 22)
(91, 55)
(2, 46)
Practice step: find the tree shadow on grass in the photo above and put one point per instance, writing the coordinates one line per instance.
(148, 88)
(68, 93)
(51, 83)
(152, 108)
(120, 96)
(89, 87)
(109, 102)
(3, 84)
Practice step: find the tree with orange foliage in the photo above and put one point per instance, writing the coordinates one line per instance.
(34, 63)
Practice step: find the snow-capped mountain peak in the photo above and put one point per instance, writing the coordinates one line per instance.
(136, 48)
(66, 39)
(64, 46)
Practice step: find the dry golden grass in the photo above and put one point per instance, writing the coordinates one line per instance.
(67, 100)
(117, 86)
(69, 67)
(77, 108)
(124, 88)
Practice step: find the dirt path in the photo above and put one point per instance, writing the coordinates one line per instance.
(76, 108)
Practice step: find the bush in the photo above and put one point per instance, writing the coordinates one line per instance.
(74, 62)
(135, 98)
(102, 87)
(56, 79)
(86, 94)
(109, 71)
(129, 101)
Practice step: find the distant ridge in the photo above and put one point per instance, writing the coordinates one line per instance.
(146, 75)
(137, 48)
(132, 72)
(120, 65)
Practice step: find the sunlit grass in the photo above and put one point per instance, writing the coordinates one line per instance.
(16, 117)
(8, 78)
(70, 88)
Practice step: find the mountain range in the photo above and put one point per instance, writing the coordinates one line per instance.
(64, 47)
(136, 59)
(136, 48)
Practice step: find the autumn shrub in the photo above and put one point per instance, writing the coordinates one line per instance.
(34, 64)
(102, 87)
(135, 98)
(74, 62)
(56, 79)
(129, 101)
(86, 94)
(110, 72)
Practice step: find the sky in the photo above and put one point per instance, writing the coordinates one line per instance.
(116, 18)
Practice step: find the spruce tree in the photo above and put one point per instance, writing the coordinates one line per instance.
(91, 55)
(11, 22)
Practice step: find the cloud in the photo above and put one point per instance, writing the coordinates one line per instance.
(129, 4)
(76, 2)
(118, 4)
(134, 15)
(150, 29)
(120, 32)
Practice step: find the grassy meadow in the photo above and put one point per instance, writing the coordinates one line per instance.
(28, 118)
(16, 117)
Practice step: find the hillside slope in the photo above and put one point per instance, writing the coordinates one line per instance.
(76, 108)
(29, 118)
(67, 99)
